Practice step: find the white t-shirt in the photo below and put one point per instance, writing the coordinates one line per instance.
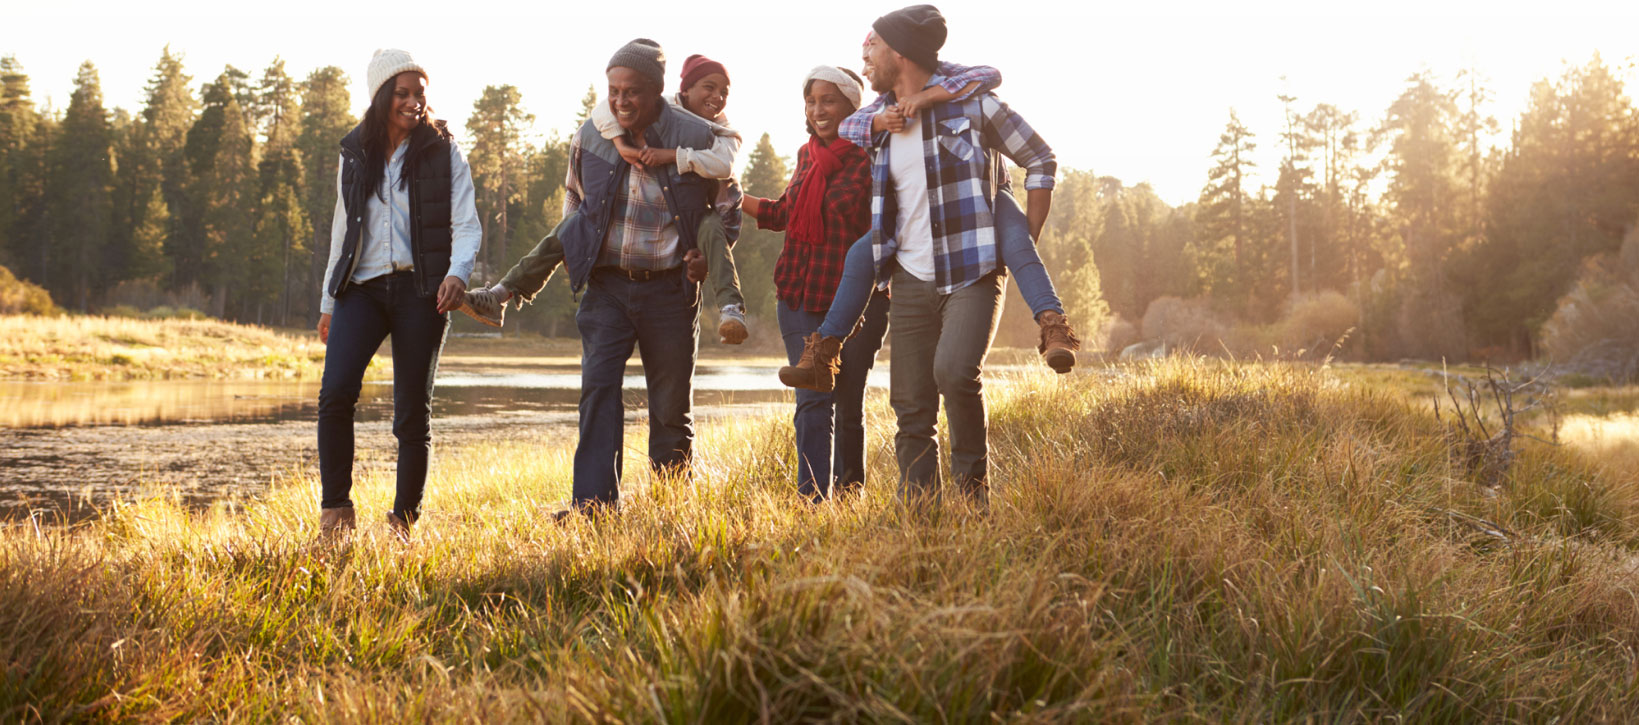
(914, 232)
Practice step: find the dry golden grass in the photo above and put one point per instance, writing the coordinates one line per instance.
(122, 348)
(1178, 540)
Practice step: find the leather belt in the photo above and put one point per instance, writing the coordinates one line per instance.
(637, 275)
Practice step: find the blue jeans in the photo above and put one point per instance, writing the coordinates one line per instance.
(365, 314)
(661, 317)
(824, 448)
(1014, 248)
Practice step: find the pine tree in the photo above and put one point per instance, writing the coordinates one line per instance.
(221, 155)
(168, 113)
(78, 194)
(498, 159)
(325, 118)
(766, 175)
(587, 103)
(18, 197)
(281, 223)
(1224, 249)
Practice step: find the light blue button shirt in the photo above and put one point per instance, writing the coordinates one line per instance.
(384, 247)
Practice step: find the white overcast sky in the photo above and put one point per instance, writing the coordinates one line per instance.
(1139, 91)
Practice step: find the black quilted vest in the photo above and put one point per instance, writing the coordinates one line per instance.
(429, 206)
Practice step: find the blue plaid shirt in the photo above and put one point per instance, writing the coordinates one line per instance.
(960, 143)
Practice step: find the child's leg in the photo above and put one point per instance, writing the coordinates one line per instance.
(1018, 251)
(853, 291)
(528, 277)
(720, 271)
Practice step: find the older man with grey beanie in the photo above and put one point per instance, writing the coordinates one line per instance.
(625, 231)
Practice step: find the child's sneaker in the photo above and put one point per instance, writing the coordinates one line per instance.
(483, 305)
(1058, 342)
(732, 329)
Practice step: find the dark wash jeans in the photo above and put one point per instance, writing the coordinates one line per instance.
(939, 346)
(661, 317)
(365, 314)
(830, 427)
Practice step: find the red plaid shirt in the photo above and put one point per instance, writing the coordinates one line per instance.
(806, 275)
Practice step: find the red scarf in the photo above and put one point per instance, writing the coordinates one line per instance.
(808, 217)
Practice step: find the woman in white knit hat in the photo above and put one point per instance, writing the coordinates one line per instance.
(402, 246)
(825, 208)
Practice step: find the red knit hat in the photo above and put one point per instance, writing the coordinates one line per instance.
(698, 66)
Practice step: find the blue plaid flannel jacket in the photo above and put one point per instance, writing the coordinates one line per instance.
(960, 142)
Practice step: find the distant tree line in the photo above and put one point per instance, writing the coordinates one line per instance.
(219, 196)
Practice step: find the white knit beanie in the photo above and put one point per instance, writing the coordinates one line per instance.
(387, 63)
(848, 85)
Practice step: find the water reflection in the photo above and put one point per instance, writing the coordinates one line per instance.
(31, 405)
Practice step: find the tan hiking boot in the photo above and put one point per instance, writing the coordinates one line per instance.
(485, 306)
(818, 366)
(1058, 342)
(336, 522)
(732, 329)
(400, 526)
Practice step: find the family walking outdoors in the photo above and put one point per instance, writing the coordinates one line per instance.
(900, 214)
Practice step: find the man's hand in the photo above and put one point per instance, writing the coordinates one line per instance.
(632, 154)
(451, 293)
(652, 156)
(891, 118)
(324, 328)
(696, 265)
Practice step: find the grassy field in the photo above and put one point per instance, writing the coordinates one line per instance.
(122, 348)
(1175, 540)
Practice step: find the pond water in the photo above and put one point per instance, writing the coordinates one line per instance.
(68, 448)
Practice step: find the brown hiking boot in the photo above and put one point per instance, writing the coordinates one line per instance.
(817, 368)
(400, 526)
(1058, 342)
(336, 522)
(482, 305)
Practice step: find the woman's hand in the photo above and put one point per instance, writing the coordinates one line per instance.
(324, 328)
(451, 294)
(752, 206)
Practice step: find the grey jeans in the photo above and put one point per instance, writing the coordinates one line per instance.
(939, 345)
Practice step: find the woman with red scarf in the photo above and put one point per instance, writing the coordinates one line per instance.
(825, 209)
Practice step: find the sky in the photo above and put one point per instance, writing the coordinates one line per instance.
(1137, 91)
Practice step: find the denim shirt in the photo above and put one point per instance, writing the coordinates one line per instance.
(385, 246)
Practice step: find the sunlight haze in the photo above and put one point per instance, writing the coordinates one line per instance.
(1139, 92)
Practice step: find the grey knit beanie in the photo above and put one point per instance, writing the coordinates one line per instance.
(644, 56)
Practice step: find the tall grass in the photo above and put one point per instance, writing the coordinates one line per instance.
(1177, 541)
(119, 348)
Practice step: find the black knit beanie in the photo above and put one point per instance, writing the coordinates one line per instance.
(916, 32)
(644, 56)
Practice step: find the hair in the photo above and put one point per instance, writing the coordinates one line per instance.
(376, 153)
(809, 127)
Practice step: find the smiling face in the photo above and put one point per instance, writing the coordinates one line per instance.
(881, 65)
(409, 106)
(634, 99)
(826, 108)
(708, 96)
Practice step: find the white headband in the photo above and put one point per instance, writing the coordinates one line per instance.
(849, 86)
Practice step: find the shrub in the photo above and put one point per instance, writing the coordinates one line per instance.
(121, 311)
(19, 296)
(1183, 324)
(1318, 321)
(1595, 327)
(1119, 334)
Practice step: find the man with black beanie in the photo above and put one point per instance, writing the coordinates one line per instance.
(933, 235)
